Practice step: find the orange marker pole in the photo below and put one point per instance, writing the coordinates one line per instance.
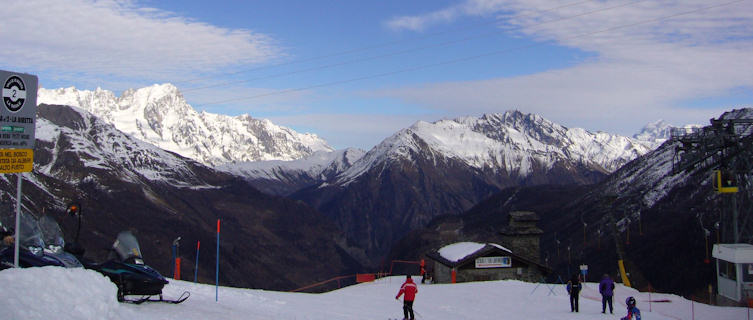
(177, 268)
(196, 268)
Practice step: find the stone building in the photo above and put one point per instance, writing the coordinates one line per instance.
(471, 261)
(522, 235)
(517, 257)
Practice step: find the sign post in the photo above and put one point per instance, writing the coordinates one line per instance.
(18, 116)
(584, 271)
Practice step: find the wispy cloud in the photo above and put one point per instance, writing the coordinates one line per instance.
(645, 66)
(110, 40)
(445, 15)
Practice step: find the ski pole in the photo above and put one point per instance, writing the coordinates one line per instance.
(418, 314)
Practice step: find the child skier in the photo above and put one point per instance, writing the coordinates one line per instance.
(632, 311)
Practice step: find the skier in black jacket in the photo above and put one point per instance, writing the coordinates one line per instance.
(573, 288)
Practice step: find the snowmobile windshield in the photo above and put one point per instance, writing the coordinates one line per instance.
(31, 234)
(52, 235)
(126, 246)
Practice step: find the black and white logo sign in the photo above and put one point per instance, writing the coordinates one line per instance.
(14, 93)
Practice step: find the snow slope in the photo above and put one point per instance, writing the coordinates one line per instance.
(57, 293)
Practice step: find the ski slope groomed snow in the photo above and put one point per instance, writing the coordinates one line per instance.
(57, 293)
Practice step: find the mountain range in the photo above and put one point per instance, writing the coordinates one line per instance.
(446, 167)
(366, 202)
(375, 197)
(123, 183)
(160, 115)
(659, 219)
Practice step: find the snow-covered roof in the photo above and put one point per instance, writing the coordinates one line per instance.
(734, 252)
(459, 250)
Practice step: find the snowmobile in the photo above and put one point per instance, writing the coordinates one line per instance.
(126, 269)
(41, 244)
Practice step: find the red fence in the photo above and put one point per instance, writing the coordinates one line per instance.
(358, 278)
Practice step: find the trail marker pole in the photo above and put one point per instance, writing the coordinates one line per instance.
(196, 268)
(217, 267)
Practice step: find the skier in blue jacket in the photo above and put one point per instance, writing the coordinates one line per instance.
(606, 288)
(631, 310)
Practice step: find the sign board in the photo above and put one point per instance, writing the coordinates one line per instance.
(493, 262)
(18, 111)
(16, 160)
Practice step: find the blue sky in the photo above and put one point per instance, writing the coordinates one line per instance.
(354, 72)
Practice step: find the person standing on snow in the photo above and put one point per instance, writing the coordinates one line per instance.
(631, 310)
(606, 288)
(573, 289)
(409, 289)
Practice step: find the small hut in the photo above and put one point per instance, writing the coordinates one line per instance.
(472, 261)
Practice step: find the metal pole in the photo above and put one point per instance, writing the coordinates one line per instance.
(734, 218)
(217, 267)
(17, 239)
(196, 268)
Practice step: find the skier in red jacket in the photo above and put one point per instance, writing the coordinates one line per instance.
(409, 289)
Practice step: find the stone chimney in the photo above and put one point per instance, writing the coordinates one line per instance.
(522, 236)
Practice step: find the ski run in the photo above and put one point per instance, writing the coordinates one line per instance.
(59, 293)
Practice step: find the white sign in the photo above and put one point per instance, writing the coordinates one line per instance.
(493, 262)
(18, 110)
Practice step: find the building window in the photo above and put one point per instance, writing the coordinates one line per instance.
(747, 272)
(727, 270)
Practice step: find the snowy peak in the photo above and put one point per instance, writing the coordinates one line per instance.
(160, 115)
(658, 132)
(511, 142)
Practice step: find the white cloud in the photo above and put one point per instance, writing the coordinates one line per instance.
(641, 71)
(110, 39)
(446, 15)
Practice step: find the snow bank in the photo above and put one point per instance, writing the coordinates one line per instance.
(56, 293)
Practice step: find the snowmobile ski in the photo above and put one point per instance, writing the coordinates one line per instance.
(183, 297)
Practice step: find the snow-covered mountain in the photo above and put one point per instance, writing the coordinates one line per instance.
(658, 132)
(511, 142)
(284, 177)
(160, 115)
(660, 209)
(446, 167)
(124, 183)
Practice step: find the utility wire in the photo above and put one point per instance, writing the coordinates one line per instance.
(463, 59)
(396, 53)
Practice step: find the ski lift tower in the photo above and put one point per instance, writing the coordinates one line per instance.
(725, 147)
